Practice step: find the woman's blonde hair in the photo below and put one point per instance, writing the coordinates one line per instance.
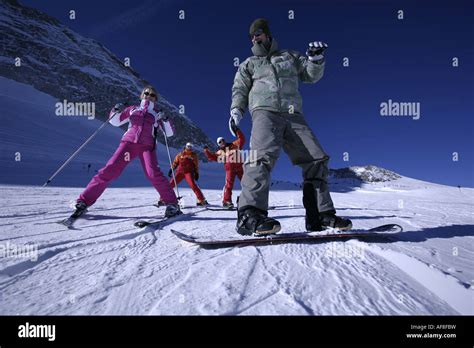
(151, 89)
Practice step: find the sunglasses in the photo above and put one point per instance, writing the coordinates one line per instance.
(257, 33)
(153, 95)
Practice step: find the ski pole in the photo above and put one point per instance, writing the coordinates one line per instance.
(171, 164)
(75, 153)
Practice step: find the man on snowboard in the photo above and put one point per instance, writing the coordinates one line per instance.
(229, 154)
(267, 83)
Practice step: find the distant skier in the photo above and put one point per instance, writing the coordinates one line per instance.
(267, 84)
(186, 166)
(229, 153)
(138, 141)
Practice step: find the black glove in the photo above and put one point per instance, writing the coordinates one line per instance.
(196, 176)
(316, 50)
(170, 173)
(234, 128)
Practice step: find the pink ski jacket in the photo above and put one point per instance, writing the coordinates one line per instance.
(141, 122)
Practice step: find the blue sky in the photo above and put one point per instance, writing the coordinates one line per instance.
(190, 61)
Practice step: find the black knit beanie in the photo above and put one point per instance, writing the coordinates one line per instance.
(260, 23)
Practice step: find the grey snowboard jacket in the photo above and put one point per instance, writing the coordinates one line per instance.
(269, 80)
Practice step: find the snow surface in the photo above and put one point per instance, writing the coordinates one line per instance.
(108, 266)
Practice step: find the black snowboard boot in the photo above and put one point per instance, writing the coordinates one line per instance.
(312, 218)
(330, 219)
(253, 221)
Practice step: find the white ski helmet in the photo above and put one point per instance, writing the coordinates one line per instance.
(189, 145)
(219, 140)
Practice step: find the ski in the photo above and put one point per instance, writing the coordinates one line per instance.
(288, 237)
(191, 206)
(155, 222)
(230, 209)
(221, 209)
(145, 223)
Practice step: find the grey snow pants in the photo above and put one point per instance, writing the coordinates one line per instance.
(270, 132)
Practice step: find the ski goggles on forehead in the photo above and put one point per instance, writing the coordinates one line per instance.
(256, 33)
(153, 95)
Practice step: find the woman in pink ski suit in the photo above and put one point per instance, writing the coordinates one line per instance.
(138, 141)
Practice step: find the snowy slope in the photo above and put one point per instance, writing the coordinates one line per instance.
(107, 266)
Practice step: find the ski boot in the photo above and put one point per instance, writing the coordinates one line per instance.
(228, 205)
(159, 204)
(172, 210)
(81, 208)
(251, 220)
(202, 203)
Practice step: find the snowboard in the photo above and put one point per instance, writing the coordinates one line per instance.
(288, 237)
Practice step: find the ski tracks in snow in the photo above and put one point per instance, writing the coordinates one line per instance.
(113, 268)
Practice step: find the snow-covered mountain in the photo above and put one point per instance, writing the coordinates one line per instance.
(67, 66)
(346, 179)
(354, 177)
(365, 174)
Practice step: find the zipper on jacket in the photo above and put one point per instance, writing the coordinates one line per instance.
(277, 81)
(140, 130)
